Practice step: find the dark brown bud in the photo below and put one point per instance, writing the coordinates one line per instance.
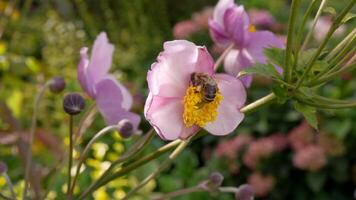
(125, 128)
(245, 192)
(212, 183)
(73, 103)
(57, 84)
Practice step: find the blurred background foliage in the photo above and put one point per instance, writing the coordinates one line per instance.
(40, 39)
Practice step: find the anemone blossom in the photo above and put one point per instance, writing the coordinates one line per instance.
(112, 98)
(185, 94)
(230, 24)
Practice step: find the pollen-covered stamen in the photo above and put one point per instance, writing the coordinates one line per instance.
(197, 111)
(252, 28)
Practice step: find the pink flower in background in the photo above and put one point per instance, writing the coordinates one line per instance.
(279, 140)
(261, 18)
(231, 25)
(198, 22)
(112, 98)
(184, 29)
(186, 94)
(310, 158)
(258, 150)
(322, 27)
(301, 136)
(231, 148)
(261, 184)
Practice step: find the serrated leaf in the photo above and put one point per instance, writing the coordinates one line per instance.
(305, 57)
(275, 56)
(263, 69)
(281, 93)
(348, 17)
(308, 112)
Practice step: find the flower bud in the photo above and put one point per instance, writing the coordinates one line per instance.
(57, 84)
(245, 192)
(73, 103)
(3, 167)
(212, 183)
(125, 128)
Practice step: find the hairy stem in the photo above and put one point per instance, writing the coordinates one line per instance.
(32, 133)
(70, 156)
(222, 56)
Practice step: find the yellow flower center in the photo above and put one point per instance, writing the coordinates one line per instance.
(198, 111)
(252, 28)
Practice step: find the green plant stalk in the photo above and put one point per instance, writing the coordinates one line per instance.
(325, 103)
(341, 45)
(334, 63)
(85, 122)
(318, 13)
(332, 75)
(130, 167)
(300, 31)
(162, 167)
(290, 42)
(222, 56)
(70, 156)
(32, 134)
(228, 189)
(87, 148)
(332, 29)
(135, 149)
(247, 109)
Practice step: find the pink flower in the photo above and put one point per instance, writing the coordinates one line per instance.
(112, 98)
(310, 158)
(261, 18)
(261, 184)
(322, 27)
(279, 140)
(184, 29)
(301, 136)
(231, 25)
(186, 94)
(258, 150)
(231, 148)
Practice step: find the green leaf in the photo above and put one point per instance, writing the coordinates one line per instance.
(275, 56)
(308, 112)
(264, 70)
(348, 17)
(316, 180)
(281, 93)
(305, 57)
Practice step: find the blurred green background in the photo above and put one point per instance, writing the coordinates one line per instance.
(40, 39)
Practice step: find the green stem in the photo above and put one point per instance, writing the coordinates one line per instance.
(135, 149)
(70, 157)
(85, 122)
(87, 148)
(332, 29)
(341, 45)
(129, 168)
(162, 167)
(126, 169)
(320, 10)
(179, 193)
(301, 31)
(291, 25)
(32, 133)
(228, 189)
(332, 75)
(260, 102)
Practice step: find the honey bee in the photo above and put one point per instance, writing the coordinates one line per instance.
(205, 84)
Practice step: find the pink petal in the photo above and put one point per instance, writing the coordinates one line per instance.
(205, 62)
(127, 98)
(229, 115)
(236, 24)
(109, 100)
(236, 61)
(219, 11)
(260, 40)
(85, 81)
(166, 116)
(101, 57)
(218, 34)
